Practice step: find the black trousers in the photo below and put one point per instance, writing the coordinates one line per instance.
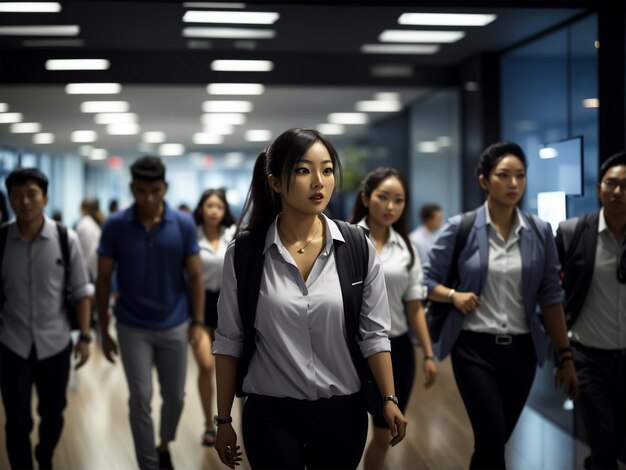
(17, 376)
(602, 402)
(284, 433)
(494, 379)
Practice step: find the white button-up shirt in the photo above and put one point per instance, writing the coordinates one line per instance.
(301, 346)
(213, 259)
(33, 278)
(501, 308)
(602, 319)
(403, 284)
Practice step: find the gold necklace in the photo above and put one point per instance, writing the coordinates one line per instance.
(301, 249)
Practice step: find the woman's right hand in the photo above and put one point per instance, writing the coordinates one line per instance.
(226, 445)
(465, 302)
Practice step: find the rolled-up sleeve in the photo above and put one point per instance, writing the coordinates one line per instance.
(229, 333)
(439, 259)
(375, 318)
(550, 291)
(79, 277)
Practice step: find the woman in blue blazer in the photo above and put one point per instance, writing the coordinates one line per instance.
(494, 332)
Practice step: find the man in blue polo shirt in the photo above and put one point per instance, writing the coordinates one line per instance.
(159, 275)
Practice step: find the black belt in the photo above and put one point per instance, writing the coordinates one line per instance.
(601, 352)
(500, 340)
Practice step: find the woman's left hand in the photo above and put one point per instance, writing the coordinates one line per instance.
(396, 421)
(565, 378)
(429, 367)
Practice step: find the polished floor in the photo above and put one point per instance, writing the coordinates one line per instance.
(97, 434)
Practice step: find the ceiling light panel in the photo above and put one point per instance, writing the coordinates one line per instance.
(128, 128)
(223, 118)
(229, 33)
(219, 128)
(331, 129)
(258, 135)
(115, 118)
(4, 107)
(93, 88)
(98, 154)
(60, 30)
(347, 118)
(446, 19)
(25, 127)
(227, 106)
(104, 107)
(8, 118)
(205, 138)
(43, 138)
(397, 35)
(235, 89)
(400, 48)
(30, 7)
(84, 136)
(387, 96)
(234, 17)
(378, 106)
(171, 150)
(242, 66)
(77, 64)
(154, 137)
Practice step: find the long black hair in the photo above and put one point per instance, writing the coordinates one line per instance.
(371, 181)
(262, 203)
(228, 218)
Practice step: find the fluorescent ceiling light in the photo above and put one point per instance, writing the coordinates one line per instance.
(28, 7)
(115, 118)
(242, 65)
(205, 138)
(387, 96)
(400, 48)
(228, 33)
(199, 44)
(236, 17)
(127, 128)
(223, 118)
(235, 89)
(227, 106)
(258, 135)
(8, 118)
(67, 30)
(591, 103)
(378, 106)
(53, 43)
(548, 152)
(392, 71)
(171, 150)
(331, 129)
(245, 45)
(84, 136)
(428, 146)
(4, 107)
(25, 127)
(213, 5)
(93, 88)
(154, 137)
(219, 128)
(397, 35)
(98, 154)
(446, 19)
(77, 64)
(43, 138)
(347, 118)
(104, 107)
(444, 141)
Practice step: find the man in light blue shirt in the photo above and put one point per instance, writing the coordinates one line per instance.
(424, 236)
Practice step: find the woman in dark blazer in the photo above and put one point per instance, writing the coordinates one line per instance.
(508, 266)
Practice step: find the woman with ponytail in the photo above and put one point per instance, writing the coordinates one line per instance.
(304, 407)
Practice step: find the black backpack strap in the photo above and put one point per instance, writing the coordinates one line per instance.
(248, 261)
(352, 260)
(67, 272)
(4, 230)
(578, 232)
(467, 220)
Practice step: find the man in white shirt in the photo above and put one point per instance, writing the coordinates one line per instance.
(424, 236)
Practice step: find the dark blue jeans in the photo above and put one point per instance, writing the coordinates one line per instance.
(17, 376)
(602, 402)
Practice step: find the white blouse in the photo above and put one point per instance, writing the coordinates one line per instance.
(213, 260)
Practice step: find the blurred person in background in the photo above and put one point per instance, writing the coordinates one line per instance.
(424, 236)
(216, 228)
(113, 206)
(89, 228)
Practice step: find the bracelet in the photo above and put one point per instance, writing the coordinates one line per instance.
(429, 358)
(563, 360)
(565, 350)
(451, 293)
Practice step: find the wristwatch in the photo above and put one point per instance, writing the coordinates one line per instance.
(217, 420)
(85, 337)
(392, 398)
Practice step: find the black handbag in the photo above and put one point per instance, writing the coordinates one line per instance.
(437, 312)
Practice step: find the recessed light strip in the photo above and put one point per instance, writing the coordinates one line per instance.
(93, 88)
(228, 33)
(30, 7)
(77, 64)
(235, 89)
(242, 65)
(234, 17)
(400, 48)
(60, 30)
(446, 19)
(398, 35)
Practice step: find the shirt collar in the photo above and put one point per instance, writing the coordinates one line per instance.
(602, 226)
(131, 213)
(394, 237)
(47, 231)
(518, 224)
(332, 234)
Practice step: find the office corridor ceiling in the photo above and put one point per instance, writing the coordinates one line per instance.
(320, 57)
